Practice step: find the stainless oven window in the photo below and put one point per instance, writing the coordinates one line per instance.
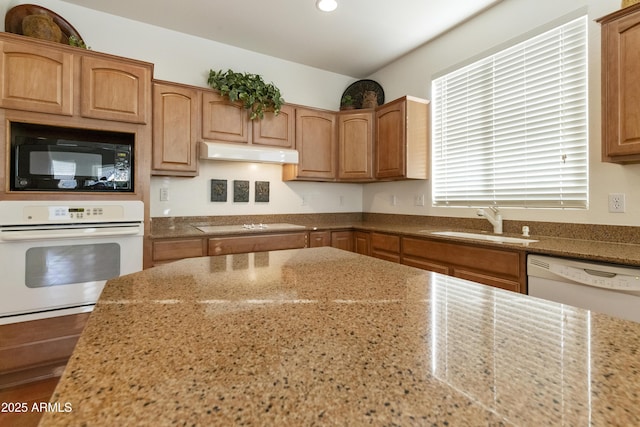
(68, 264)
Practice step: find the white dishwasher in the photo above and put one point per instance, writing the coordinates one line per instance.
(604, 288)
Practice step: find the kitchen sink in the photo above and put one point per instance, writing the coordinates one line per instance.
(480, 236)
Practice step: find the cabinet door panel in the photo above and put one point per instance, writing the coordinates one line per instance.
(36, 79)
(316, 143)
(361, 243)
(223, 120)
(355, 143)
(385, 246)
(276, 131)
(342, 240)
(175, 128)
(621, 89)
(390, 141)
(115, 90)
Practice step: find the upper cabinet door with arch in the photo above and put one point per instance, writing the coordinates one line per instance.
(620, 86)
(36, 78)
(223, 120)
(115, 90)
(276, 130)
(176, 118)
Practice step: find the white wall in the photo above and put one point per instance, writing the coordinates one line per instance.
(186, 59)
(509, 20)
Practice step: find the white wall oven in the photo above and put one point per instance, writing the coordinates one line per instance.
(55, 257)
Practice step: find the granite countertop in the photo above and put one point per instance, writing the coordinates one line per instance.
(328, 337)
(588, 249)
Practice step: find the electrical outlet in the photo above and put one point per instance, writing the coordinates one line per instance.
(164, 194)
(616, 202)
(393, 200)
(419, 200)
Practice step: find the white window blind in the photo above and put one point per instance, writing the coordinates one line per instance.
(511, 129)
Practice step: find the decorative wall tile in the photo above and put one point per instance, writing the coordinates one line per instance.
(218, 190)
(262, 191)
(240, 191)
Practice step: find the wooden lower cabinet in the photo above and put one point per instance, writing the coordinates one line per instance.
(342, 240)
(166, 250)
(385, 246)
(502, 268)
(175, 249)
(318, 239)
(37, 349)
(362, 242)
(261, 243)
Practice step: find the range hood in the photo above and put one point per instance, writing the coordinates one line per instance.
(247, 153)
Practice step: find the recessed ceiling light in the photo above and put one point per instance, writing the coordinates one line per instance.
(327, 5)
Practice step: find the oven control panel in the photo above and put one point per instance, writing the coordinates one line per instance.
(36, 212)
(57, 213)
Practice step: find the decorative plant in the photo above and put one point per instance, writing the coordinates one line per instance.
(347, 101)
(256, 95)
(74, 41)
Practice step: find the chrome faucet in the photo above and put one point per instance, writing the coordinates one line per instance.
(496, 220)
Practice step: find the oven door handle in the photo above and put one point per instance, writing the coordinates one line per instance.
(22, 235)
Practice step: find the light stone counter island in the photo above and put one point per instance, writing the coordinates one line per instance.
(327, 337)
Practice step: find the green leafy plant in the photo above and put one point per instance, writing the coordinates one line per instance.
(74, 41)
(347, 101)
(256, 95)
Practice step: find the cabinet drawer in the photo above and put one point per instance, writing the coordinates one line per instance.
(262, 243)
(177, 249)
(319, 238)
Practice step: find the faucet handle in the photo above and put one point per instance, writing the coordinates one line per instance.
(494, 209)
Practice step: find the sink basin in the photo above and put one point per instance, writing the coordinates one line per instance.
(486, 237)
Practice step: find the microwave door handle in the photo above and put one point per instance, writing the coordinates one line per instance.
(22, 235)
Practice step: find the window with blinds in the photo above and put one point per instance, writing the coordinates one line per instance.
(511, 129)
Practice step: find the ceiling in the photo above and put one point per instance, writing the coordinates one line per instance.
(357, 39)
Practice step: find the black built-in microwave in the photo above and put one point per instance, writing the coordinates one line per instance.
(48, 158)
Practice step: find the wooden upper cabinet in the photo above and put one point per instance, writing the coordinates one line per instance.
(402, 139)
(316, 145)
(176, 117)
(276, 130)
(117, 90)
(36, 78)
(223, 120)
(621, 86)
(355, 146)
